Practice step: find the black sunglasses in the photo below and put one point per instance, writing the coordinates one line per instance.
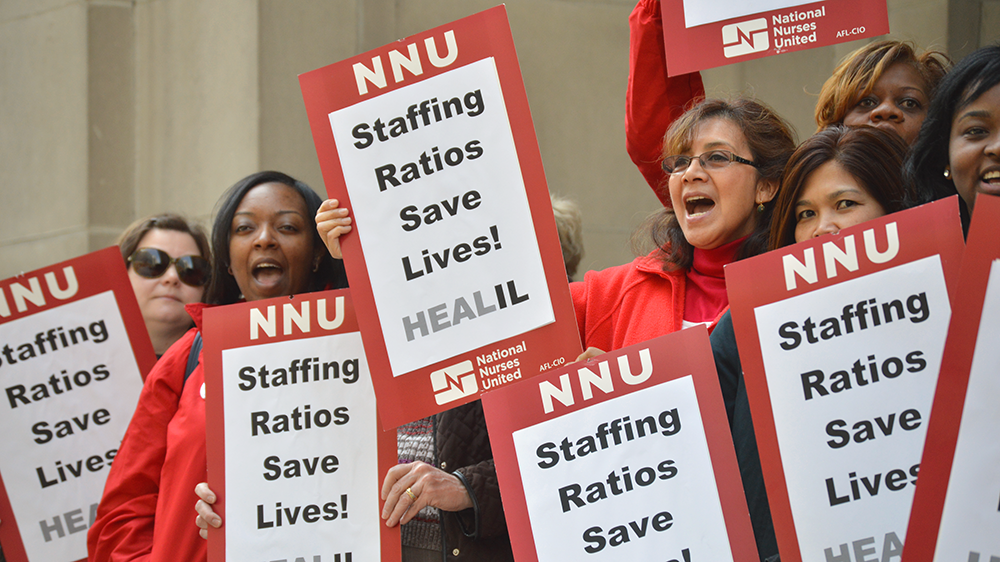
(152, 263)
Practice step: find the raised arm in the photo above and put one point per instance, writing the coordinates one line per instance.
(653, 100)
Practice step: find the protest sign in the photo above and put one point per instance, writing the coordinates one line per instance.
(841, 339)
(454, 261)
(699, 35)
(73, 354)
(295, 451)
(955, 508)
(625, 457)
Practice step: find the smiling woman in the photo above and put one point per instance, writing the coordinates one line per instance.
(959, 146)
(265, 245)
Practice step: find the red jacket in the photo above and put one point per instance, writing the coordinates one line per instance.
(629, 304)
(635, 302)
(147, 511)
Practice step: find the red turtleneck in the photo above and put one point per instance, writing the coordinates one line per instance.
(705, 296)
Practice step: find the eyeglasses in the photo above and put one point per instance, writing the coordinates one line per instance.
(152, 264)
(711, 160)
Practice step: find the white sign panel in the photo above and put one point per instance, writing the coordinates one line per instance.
(972, 504)
(397, 167)
(301, 465)
(70, 384)
(851, 383)
(623, 478)
(701, 12)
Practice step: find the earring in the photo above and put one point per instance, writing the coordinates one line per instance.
(760, 207)
(947, 174)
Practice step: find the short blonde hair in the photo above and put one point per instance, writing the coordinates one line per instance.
(857, 73)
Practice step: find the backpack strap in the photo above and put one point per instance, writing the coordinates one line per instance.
(193, 356)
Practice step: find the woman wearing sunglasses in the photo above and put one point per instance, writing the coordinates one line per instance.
(266, 245)
(168, 265)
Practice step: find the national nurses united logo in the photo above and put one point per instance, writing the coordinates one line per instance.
(454, 382)
(745, 37)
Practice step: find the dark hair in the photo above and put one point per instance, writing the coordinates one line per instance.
(128, 241)
(873, 156)
(771, 141)
(857, 73)
(925, 165)
(222, 289)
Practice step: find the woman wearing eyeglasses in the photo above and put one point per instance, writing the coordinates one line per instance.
(723, 161)
(266, 245)
(168, 265)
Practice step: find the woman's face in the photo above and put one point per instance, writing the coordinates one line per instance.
(715, 207)
(898, 102)
(162, 299)
(974, 147)
(271, 243)
(832, 200)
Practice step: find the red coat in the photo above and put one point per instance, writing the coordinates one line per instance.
(629, 304)
(147, 511)
(635, 302)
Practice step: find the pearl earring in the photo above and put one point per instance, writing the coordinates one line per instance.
(947, 174)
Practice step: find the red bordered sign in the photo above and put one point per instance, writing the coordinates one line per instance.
(955, 509)
(454, 259)
(294, 445)
(841, 340)
(699, 35)
(625, 457)
(73, 354)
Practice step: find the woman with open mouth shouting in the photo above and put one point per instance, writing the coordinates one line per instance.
(265, 245)
(723, 161)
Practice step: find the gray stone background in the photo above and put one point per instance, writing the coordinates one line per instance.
(114, 109)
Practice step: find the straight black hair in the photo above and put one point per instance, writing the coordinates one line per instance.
(223, 288)
(928, 158)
